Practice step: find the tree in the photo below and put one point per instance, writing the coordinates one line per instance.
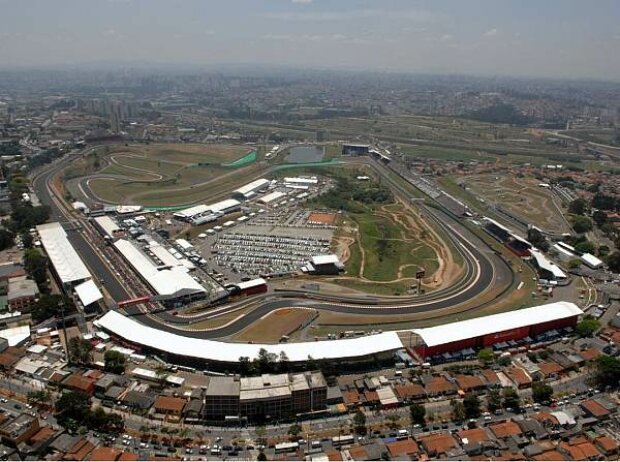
(504, 361)
(581, 224)
(599, 217)
(471, 404)
(458, 410)
(485, 355)
(587, 327)
(266, 361)
(541, 392)
(577, 206)
(359, 420)
(613, 261)
(72, 409)
(7, 239)
(27, 240)
(607, 371)
(294, 430)
(35, 265)
(537, 239)
(494, 400)
(574, 263)
(38, 397)
(80, 351)
(261, 456)
(511, 398)
(418, 413)
(114, 361)
(585, 247)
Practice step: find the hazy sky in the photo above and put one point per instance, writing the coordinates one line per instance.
(553, 38)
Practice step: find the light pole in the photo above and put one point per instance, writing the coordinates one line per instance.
(61, 305)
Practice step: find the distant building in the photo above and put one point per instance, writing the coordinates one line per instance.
(355, 149)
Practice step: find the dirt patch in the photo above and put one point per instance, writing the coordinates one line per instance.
(282, 322)
(322, 218)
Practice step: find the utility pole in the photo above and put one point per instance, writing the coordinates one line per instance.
(61, 305)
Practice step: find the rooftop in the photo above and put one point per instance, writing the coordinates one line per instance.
(476, 327)
(133, 331)
(66, 261)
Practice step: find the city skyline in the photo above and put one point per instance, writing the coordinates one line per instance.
(552, 40)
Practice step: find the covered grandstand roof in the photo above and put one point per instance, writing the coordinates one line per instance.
(192, 211)
(170, 283)
(88, 292)
(137, 333)
(224, 205)
(252, 187)
(67, 263)
(547, 265)
(471, 328)
(108, 225)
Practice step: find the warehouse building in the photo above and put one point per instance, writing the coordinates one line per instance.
(251, 287)
(249, 190)
(171, 285)
(487, 331)
(268, 199)
(68, 267)
(591, 261)
(324, 264)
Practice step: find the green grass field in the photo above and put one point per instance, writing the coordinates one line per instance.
(169, 174)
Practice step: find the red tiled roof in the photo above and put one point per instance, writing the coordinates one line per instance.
(590, 354)
(351, 397)
(358, 453)
(518, 376)
(607, 444)
(404, 447)
(412, 390)
(473, 435)
(128, 456)
(490, 376)
(594, 408)
(170, 404)
(469, 382)
(504, 429)
(550, 367)
(105, 453)
(580, 451)
(439, 384)
(439, 443)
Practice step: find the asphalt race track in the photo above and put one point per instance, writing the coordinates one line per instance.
(483, 269)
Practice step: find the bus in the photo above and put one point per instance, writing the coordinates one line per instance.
(282, 448)
(342, 440)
